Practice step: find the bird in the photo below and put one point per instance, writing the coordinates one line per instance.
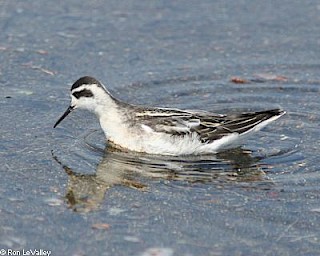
(163, 131)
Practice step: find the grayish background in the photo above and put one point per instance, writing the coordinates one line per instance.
(166, 53)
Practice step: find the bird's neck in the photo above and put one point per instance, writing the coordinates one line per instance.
(106, 106)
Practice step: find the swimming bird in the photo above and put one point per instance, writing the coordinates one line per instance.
(165, 131)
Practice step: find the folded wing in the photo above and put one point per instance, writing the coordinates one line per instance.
(207, 126)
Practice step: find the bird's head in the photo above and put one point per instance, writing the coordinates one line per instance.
(86, 93)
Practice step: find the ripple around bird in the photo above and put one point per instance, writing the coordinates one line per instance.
(269, 155)
(260, 185)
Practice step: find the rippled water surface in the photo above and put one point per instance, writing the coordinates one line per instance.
(66, 191)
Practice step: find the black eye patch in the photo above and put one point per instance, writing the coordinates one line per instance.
(82, 93)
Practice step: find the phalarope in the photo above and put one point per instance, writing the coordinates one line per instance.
(165, 131)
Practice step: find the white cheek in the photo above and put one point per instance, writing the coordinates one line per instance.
(85, 103)
(74, 102)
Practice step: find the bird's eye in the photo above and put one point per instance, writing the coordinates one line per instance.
(83, 93)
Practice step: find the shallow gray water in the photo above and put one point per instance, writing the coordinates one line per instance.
(62, 191)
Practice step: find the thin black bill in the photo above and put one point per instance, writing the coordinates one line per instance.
(63, 116)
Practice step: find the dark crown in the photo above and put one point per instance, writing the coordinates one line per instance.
(85, 80)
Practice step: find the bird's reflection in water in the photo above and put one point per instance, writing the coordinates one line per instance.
(85, 192)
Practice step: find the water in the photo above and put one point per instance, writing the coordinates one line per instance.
(64, 190)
